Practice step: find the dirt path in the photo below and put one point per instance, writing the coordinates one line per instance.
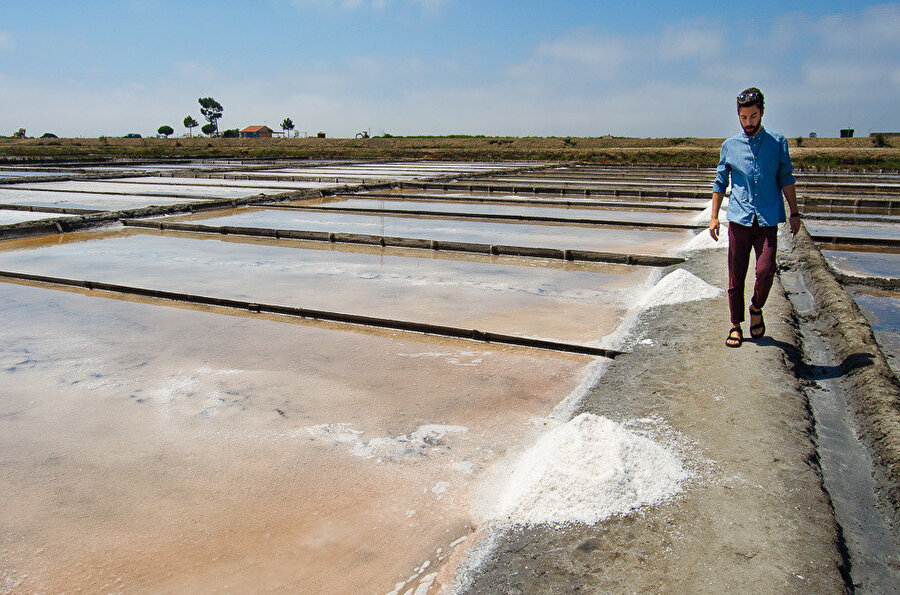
(755, 518)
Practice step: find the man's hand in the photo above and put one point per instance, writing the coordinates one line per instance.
(714, 227)
(795, 225)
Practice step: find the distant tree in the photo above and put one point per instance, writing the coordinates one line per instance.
(20, 133)
(231, 133)
(287, 125)
(211, 110)
(165, 130)
(189, 123)
(208, 129)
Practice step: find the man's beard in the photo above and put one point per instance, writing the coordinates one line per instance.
(752, 130)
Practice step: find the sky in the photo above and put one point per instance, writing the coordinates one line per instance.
(434, 67)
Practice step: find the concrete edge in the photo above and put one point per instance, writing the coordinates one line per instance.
(874, 389)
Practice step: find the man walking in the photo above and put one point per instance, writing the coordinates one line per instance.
(759, 167)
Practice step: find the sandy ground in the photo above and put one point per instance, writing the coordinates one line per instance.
(754, 518)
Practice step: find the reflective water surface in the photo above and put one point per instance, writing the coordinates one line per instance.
(863, 229)
(882, 309)
(864, 263)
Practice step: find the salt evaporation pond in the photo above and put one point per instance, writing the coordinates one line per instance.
(149, 445)
(9, 217)
(82, 200)
(469, 208)
(578, 303)
(95, 186)
(160, 449)
(30, 174)
(175, 181)
(864, 263)
(414, 170)
(537, 199)
(863, 229)
(573, 237)
(882, 309)
(581, 182)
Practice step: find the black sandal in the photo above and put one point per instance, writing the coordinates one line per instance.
(734, 340)
(760, 326)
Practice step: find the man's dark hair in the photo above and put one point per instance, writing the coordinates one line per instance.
(750, 97)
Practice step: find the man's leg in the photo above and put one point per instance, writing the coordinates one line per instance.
(765, 244)
(740, 242)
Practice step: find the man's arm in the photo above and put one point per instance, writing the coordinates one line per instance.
(790, 193)
(714, 217)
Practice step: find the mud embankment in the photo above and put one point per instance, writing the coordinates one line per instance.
(874, 390)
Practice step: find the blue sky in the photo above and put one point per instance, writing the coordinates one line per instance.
(449, 66)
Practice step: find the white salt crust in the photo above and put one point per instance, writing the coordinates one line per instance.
(420, 442)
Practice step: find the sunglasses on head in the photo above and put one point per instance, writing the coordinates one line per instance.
(748, 97)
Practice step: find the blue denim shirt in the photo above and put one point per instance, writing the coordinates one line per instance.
(759, 167)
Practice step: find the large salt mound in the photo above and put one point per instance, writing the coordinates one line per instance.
(585, 471)
(677, 287)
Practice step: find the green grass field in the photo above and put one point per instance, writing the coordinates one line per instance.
(806, 152)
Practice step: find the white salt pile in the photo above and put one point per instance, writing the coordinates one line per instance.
(704, 241)
(677, 287)
(703, 217)
(585, 471)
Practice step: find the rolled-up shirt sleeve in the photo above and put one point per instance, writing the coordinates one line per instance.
(723, 171)
(785, 167)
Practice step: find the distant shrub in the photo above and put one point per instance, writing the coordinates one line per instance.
(880, 141)
(49, 135)
(799, 141)
(232, 133)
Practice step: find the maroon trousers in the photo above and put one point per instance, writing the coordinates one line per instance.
(763, 241)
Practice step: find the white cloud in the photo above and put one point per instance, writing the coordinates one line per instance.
(604, 54)
(682, 42)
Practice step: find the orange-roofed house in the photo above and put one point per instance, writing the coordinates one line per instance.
(256, 132)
